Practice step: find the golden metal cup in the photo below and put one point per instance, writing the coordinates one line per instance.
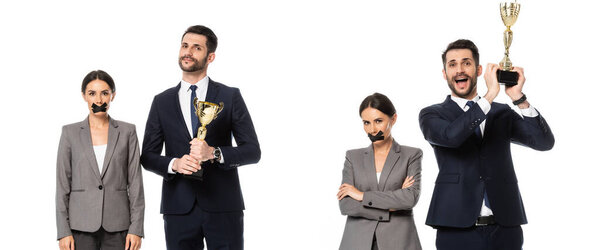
(206, 112)
(509, 13)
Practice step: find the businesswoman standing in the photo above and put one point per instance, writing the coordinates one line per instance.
(99, 190)
(380, 185)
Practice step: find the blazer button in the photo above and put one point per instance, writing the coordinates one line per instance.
(380, 218)
(370, 203)
(100, 187)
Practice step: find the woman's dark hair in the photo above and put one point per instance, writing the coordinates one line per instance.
(379, 102)
(98, 75)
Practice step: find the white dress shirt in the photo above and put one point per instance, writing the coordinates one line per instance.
(485, 107)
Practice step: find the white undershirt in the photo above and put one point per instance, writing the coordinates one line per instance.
(485, 107)
(378, 176)
(100, 151)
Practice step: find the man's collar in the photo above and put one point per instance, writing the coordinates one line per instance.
(463, 102)
(201, 84)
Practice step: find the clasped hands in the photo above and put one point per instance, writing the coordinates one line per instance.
(190, 163)
(351, 191)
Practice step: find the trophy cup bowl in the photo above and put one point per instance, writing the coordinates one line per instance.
(206, 112)
(509, 13)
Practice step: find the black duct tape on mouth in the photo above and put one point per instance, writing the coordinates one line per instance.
(378, 137)
(101, 108)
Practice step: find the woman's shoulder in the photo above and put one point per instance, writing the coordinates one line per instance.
(410, 150)
(125, 126)
(73, 126)
(357, 151)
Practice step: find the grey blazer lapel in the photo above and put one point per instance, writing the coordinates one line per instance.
(390, 162)
(113, 136)
(369, 168)
(86, 142)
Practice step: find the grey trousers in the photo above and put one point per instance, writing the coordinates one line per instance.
(99, 240)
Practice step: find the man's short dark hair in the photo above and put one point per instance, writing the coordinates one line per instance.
(211, 38)
(462, 44)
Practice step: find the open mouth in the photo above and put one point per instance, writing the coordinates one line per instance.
(461, 79)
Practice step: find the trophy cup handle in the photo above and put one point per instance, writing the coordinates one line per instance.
(221, 106)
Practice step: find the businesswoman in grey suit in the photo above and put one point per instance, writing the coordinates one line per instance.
(380, 185)
(99, 191)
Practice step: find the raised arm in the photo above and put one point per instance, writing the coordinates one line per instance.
(439, 130)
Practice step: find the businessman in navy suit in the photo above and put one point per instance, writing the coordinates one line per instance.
(209, 209)
(476, 202)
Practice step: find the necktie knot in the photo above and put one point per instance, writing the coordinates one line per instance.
(470, 104)
(193, 87)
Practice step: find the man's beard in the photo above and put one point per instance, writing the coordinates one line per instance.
(196, 66)
(470, 89)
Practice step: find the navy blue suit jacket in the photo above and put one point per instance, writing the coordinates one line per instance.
(220, 188)
(468, 165)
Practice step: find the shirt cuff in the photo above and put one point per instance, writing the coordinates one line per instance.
(222, 157)
(484, 105)
(170, 169)
(529, 112)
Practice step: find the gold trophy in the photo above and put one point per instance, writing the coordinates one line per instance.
(206, 112)
(509, 13)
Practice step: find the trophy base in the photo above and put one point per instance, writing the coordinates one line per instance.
(198, 175)
(508, 78)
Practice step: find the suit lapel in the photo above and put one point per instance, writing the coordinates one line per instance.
(390, 163)
(489, 120)
(113, 136)
(86, 141)
(211, 91)
(453, 109)
(369, 168)
(177, 106)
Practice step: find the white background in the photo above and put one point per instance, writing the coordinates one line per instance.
(303, 68)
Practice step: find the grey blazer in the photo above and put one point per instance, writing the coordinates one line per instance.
(394, 230)
(87, 199)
